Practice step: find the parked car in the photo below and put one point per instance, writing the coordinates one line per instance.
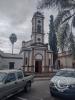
(63, 83)
(13, 81)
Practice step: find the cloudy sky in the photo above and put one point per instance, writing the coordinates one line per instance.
(15, 17)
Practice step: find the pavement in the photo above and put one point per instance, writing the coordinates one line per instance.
(39, 91)
(41, 78)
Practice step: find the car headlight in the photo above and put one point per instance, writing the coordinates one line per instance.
(61, 86)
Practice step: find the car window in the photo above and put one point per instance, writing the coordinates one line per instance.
(66, 73)
(20, 75)
(60, 73)
(2, 76)
(10, 77)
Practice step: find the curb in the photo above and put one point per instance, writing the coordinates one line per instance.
(41, 79)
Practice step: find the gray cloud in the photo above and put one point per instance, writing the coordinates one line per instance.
(17, 10)
(15, 17)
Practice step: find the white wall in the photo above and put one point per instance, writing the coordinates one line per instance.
(6, 58)
(18, 63)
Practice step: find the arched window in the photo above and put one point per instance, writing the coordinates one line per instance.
(39, 28)
(39, 21)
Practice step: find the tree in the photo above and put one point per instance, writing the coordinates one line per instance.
(65, 4)
(66, 14)
(66, 9)
(13, 39)
(52, 40)
(72, 45)
(62, 36)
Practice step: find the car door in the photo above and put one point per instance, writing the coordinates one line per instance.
(10, 85)
(20, 80)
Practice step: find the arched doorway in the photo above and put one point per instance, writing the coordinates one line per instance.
(38, 63)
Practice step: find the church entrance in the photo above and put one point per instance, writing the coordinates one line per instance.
(38, 66)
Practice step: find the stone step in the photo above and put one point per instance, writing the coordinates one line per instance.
(45, 75)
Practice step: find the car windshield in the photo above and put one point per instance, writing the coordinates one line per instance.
(2, 76)
(66, 73)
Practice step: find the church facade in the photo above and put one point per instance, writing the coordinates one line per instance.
(36, 56)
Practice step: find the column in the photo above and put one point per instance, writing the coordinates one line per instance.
(32, 60)
(24, 62)
(28, 60)
(44, 67)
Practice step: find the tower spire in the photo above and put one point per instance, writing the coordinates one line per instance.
(38, 27)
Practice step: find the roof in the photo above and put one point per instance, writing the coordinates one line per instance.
(9, 71)
(38, 14)
(64, 54)
(39, 44)
(26, 49)
(10, 56)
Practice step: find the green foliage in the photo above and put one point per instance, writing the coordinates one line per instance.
(13, 38)
(59, 19)
(62, 36)
(52, 36)
(72, 45)
(73, 21)
(52, 39)
(64, 9)
(65, 4)
(66, 13)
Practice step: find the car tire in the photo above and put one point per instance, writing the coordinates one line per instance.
(52, 94)
(27, 87)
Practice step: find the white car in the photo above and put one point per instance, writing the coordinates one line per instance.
(63, 83)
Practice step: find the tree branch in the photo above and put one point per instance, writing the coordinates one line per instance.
(68, 18)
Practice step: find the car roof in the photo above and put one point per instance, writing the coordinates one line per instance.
(68, 69)
(9, 70)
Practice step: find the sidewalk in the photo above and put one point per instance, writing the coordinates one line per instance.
(43, 76)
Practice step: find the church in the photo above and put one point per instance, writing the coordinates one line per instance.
(36, 56)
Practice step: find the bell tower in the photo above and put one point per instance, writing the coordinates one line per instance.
(38, 28)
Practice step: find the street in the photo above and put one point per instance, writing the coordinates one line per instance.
(39, 91)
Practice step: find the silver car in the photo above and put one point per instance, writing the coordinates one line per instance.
(63, 83)
(12, 82)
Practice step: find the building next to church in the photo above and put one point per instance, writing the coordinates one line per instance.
(37, 58)
(9, 61)
(65, 60)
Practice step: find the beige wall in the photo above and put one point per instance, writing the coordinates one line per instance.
(65, 60)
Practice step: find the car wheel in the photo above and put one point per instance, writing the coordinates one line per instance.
(27, 87)
(52, 94)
